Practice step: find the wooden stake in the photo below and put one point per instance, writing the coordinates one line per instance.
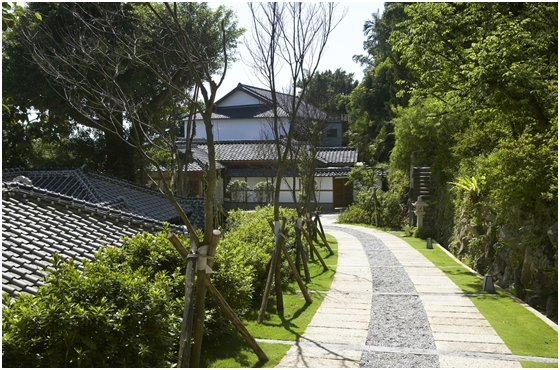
(312, 248)
(302, 286)
(323, 239)
(301, 250)
(235, 321)
(278, 270)
(199, 310)
(320, 223)
(186, 326)
(268, 285)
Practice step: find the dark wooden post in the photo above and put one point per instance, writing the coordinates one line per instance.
(273, 261)
(302, 286)
(323, 238)
(278, 271)
(312, 248)
(199, 310)
(317, 219)
(186, 327)
(301, 250)
(235, 321)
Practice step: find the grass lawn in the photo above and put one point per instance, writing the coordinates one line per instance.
(523, 332)
(297, 315)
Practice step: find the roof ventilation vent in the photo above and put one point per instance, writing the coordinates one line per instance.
(23, 180)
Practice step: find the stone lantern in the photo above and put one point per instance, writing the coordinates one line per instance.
(419, 212)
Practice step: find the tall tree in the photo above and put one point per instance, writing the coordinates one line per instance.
(292, 36)
(123, 68)
(384, 86)
(330, 91)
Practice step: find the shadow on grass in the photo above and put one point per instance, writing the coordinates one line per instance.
(465, 280)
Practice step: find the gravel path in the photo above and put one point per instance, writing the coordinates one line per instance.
(398, 319)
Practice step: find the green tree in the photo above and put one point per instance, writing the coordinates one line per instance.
(496, 65)
(384, 87)
(330, 90)
(95, 65)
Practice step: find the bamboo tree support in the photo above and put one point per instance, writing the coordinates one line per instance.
(278, 274)
(186, 327)
(312, 230)
(235, 321)
(301, 285)
(323, 238)
(301, 250)
(273, 261)
(204, 253)
(318, 220)
(295, 271)
(312, 248)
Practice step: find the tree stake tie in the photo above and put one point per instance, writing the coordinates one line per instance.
(201, 263)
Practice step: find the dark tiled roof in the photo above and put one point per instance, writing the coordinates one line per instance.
(37, 223)
(332, 172)
(265, 150)
(269, 172)
(337, 155)
(263, 110)
(112, 192)
(200, 160)
(243, 150)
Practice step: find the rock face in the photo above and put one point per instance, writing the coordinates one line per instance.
(529, 270)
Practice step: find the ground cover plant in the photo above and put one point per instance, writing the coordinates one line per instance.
(523, 332)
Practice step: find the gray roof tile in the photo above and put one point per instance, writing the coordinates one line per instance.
(27, 247)
(80, 186)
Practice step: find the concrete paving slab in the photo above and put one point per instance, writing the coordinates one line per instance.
(436, 320)
(325, 353)
(314, 362)
(338, 322)
(468, 362)
(437, 289)
(467, 338)
(473, 347)
(442, 308)
(462, 329)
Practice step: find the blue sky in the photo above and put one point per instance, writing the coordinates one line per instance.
(345, 41)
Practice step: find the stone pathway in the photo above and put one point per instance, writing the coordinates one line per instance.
(336, 337)
(343, 317)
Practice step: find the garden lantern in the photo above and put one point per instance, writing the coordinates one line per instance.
(419, 212)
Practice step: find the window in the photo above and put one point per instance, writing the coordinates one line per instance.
(332, 132)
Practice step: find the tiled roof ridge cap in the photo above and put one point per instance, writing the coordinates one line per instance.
(237, 141)
(241, 106)
(99, 209)
(336, 148)
(82, 178)
(77, 173)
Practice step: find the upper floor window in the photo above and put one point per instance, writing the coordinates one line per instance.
(332, 132)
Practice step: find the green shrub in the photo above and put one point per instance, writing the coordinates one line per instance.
(238, 191)
(355, 214)
(125, 307)
(264, 192)
(101, 317)
(249, 236)
(392, 213)
(423, 233)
